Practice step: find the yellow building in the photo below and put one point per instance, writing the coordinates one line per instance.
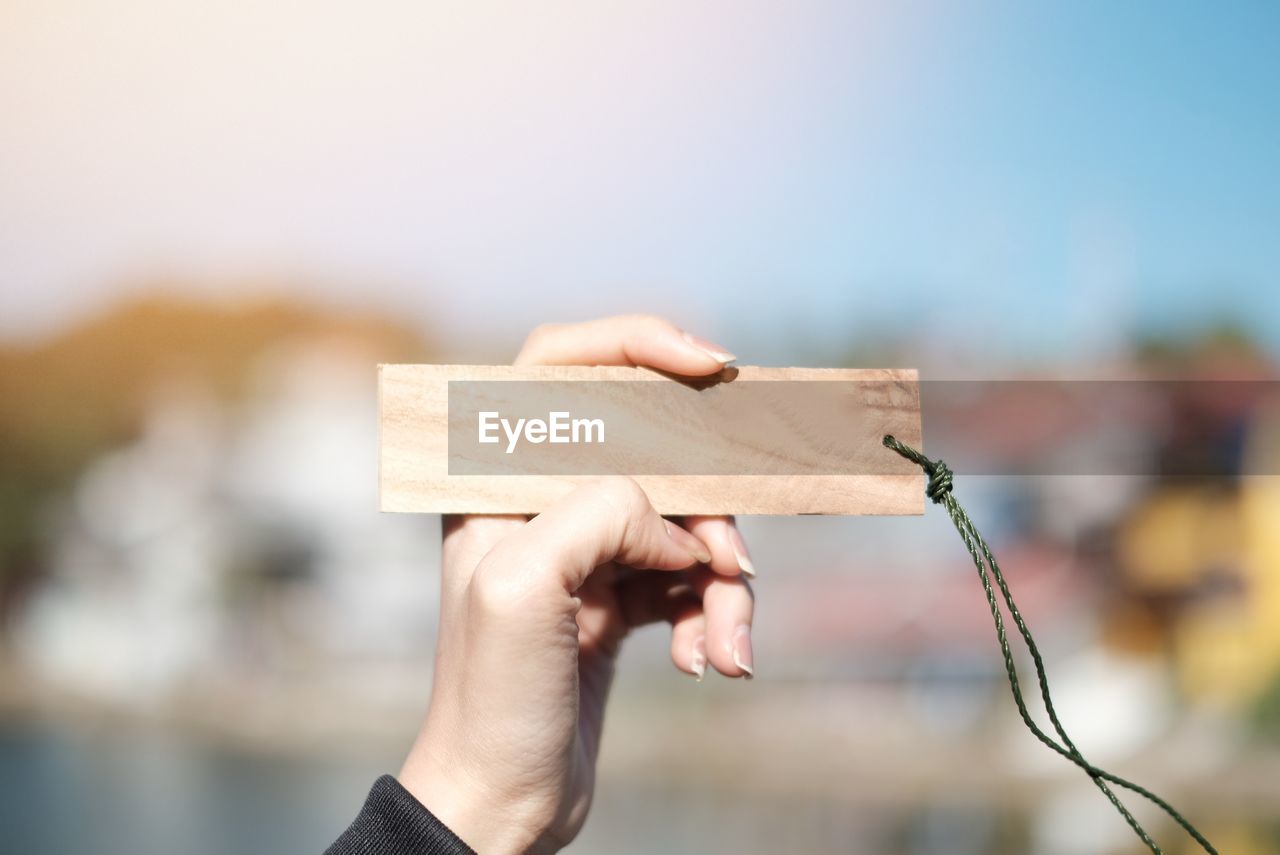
(1207, 558)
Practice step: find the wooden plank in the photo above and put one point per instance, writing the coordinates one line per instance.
(809, 446)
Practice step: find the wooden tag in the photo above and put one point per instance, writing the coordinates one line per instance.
(513, 439)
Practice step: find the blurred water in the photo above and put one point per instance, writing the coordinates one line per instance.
(142, 790)
(146, 789)
(136, 789)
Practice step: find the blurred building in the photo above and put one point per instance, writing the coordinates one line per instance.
(206, 554)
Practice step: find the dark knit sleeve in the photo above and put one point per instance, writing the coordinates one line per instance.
(393, 822)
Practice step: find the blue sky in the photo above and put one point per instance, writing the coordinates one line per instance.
(1030, 179)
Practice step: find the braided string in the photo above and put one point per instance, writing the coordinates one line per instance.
(939, 489)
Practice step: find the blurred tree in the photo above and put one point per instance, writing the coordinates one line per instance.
(68, 399)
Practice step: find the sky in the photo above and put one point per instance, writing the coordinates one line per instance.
(1038, 181)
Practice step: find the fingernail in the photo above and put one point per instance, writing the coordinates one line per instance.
(699, 663)
(740, 553)
(742, 650)
(687, 542)
(715, 351)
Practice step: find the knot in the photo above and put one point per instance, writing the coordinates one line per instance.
(940, 481)
(940, 475)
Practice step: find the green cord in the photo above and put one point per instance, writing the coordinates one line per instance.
(939, 490)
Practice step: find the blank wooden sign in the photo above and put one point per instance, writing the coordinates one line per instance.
(513, 439)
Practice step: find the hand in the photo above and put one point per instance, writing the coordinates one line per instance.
(533, 613)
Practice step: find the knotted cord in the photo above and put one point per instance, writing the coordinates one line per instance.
(939, 490)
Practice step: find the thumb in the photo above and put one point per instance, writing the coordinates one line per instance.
(609, 519)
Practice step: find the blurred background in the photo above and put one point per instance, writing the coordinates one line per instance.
(215, 219)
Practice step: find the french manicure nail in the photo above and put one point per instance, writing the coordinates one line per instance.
(742, 650)
(740, 553)
(699, 660)
(715, 351)
(687, 542)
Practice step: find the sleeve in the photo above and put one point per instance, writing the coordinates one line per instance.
(393, 822)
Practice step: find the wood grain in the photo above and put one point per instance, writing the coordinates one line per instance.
(414, 447)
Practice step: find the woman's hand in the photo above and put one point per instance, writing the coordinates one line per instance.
(533, 613)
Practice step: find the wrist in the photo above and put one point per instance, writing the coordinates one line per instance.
(485, 821)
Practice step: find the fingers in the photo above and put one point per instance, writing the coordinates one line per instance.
(624, 340)
(609, 519)
(729, 555)
(651, 597)
(729, 608)
(466, 539)
(689, 642)
(656, 343)
(710, 617)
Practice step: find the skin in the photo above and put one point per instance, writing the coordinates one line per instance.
(533, 613)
